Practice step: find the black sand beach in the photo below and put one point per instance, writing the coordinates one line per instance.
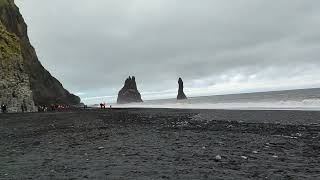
(160, 144)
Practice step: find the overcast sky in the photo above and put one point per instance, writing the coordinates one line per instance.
(216, 46)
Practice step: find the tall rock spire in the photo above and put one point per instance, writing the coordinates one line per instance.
(181, 94)
(129, 93)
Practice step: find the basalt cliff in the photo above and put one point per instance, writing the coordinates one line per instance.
(129, 93)
(24, 81)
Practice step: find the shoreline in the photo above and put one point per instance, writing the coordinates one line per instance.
(300, 117)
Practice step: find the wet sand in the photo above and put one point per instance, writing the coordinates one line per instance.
(160, 144)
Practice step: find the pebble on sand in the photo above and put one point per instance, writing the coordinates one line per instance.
(218, 157)
(36, 143)
(255, 152)
(100, 147)
(244, 157)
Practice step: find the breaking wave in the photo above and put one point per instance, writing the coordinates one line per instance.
(307, 104)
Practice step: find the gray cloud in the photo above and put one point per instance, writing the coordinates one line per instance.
(91, 46)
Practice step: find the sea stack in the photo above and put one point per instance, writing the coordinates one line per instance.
(24, 82)
(129, 93)
(181, 94)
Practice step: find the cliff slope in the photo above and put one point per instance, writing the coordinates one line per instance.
(46, 89)
(15, 89)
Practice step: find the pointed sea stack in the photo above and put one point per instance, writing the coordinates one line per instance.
(181, 94)
(129, 93)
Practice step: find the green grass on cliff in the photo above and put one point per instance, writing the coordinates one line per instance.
(7, 4)
(4, 2)
(9, 43)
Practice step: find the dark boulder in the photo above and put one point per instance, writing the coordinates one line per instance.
(181, 94)
(129, 93)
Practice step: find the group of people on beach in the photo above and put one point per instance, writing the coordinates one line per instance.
(103, 106)
(53, 107)
(3, 108)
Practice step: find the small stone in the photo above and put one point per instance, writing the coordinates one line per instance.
(255, 152)
(218, 157)
(36, 143)
(203, 147)
(244, 157)
(100, 147)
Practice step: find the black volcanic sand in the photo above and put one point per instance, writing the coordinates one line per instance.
(160, 144)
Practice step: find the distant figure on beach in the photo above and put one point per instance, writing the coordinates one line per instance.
(45, 108)
(53, 108)
(102, 105)
(181, 94)
(24, 106)
(3, 108)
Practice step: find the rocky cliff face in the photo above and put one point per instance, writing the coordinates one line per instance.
(181, 94)
(129, 93)
(46, 89)
(15, 89)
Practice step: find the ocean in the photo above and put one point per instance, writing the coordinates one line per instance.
(302, 99)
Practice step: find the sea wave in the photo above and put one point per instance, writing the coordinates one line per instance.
(307, 104)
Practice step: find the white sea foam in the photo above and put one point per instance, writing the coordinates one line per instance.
(308, 104)
(304, 99)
